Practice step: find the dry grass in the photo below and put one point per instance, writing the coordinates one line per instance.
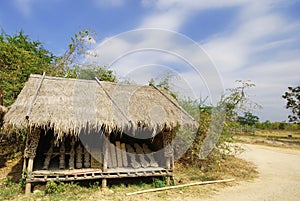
(275, 138)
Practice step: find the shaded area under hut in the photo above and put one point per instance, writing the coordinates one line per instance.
(85, 129)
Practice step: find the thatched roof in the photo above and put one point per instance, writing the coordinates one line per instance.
(70, 106)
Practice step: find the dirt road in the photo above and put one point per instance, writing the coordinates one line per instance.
(279, 176)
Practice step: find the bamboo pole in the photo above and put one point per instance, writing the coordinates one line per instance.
(180, 186)
(35, 95)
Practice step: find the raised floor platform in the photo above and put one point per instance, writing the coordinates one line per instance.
(92, 173)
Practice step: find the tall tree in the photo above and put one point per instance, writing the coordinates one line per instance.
(292, 97)
(20, 57)
(248, 119)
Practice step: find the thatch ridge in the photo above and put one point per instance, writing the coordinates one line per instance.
(72, 106)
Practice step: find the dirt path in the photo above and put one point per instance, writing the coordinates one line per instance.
(279, 176)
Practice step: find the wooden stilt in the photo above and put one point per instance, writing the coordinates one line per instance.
(24, 167)
(29, 169)
(27, 189)
(104, 183)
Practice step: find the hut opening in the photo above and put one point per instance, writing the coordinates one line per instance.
(84, 129)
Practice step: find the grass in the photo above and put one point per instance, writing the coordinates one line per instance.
(278, 138)
(278, 134)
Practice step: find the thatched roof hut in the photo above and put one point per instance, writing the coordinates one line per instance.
(66, 108)
(70, 106)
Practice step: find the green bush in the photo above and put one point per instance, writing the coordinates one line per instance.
(53, 187)
(158, 183)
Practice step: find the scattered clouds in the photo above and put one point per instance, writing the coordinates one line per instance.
(259, 46)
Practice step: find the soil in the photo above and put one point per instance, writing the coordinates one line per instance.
(279, 176)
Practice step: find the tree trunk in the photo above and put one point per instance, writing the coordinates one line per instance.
(1, 96)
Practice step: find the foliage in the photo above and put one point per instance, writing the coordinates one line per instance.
(268, 125)
(92, 71)
(164, 84)
(72, 65)
(292, 97)
(68, 64)
(238, 100)
(20, 57)
(216, 122)
(53, 187)
(160, 183)
(248, 119)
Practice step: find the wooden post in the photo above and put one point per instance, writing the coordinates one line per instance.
(105, 158)
(30, 152)
(29, 169)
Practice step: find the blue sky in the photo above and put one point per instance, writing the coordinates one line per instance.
(244, 39)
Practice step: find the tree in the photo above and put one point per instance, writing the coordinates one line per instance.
(72, 65)
(20, 57)
(67, 64)
(292, 97)
(92, 71)
(248, 119)
(238, 101)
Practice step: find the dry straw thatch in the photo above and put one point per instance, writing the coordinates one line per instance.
(70, 106)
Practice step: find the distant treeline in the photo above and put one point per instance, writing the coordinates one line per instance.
(277, 125)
